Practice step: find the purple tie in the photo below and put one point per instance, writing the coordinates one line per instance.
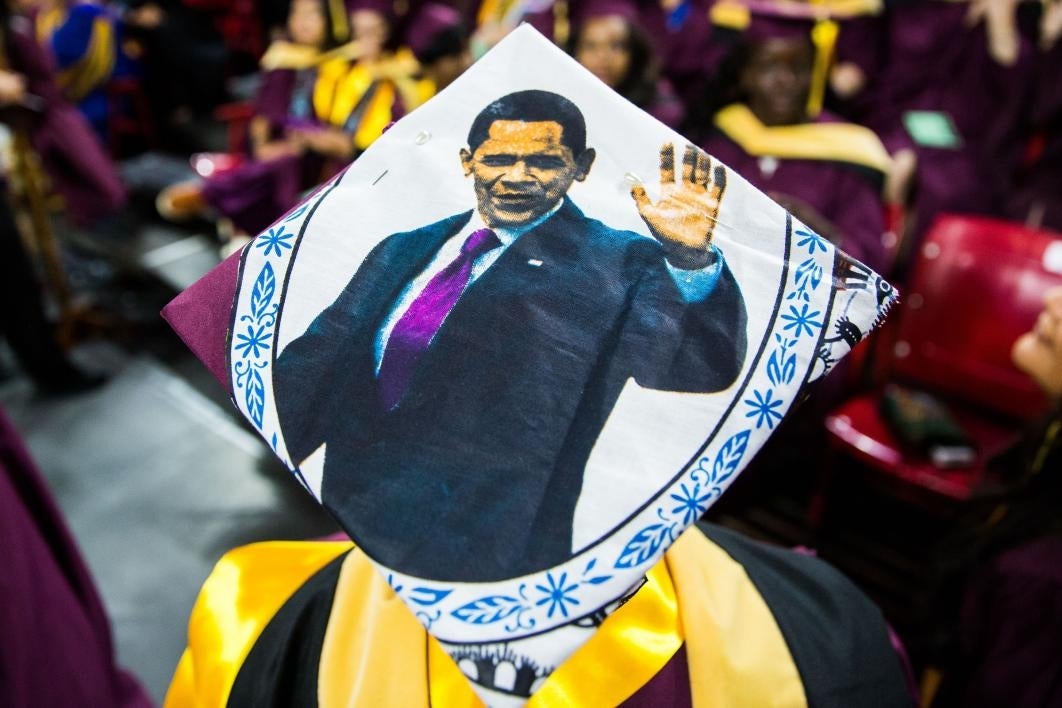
(414, 330)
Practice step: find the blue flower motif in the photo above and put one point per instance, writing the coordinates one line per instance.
(801, 320)
(275, 240)
(763, 409)
(691, 503)
(557, 594)
(811, 240)
(254, 342)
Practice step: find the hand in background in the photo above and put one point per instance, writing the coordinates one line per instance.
(12, 88)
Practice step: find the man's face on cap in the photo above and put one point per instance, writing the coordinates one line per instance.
(522, 169)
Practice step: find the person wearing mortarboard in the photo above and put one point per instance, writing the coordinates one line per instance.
(439, 40)
(86, 40)
(314, 111)
(827, 172)
(609, 41)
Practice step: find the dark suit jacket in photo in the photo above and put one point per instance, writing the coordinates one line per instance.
(476, 473)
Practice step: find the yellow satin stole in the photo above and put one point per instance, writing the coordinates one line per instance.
(375, 653)
(830, 142)
(342, 87)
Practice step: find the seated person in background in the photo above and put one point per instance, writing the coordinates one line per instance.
(86, 40)
(1010, 562)
(827, 173)
(610, 43)
(382, 80)
(308, 115)
(949, 103)
(72, 156)
(439, 41)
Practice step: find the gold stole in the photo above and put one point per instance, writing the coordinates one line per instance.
(370, 89)
(376, 653)
(94, 68)
(829, 142)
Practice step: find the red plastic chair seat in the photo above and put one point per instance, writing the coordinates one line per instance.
(858, 428)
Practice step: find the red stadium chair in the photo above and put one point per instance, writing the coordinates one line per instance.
(977, 285)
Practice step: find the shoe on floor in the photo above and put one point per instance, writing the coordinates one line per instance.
(181, 202)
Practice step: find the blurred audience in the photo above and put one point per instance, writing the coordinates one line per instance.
(828, 173)
(947, 102)
(293, 134)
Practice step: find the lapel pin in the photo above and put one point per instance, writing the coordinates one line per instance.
(534, 263)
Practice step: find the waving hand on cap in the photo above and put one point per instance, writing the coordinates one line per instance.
(684, 216)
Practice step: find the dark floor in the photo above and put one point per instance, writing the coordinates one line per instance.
(156, 474)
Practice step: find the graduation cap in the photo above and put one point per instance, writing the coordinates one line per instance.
(431, 22)
(760, 20)
(520, 345)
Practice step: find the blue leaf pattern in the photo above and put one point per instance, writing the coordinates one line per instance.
(254, 397)
(644, 545)
(428, 596)
(265, 286)
(729, 457)
(488, 610)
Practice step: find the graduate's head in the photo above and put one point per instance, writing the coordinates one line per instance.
(317, 23)
(1039, 353)
(775, 77)
(370, 26)
(609, 42)
(439, 40)
(524, 152)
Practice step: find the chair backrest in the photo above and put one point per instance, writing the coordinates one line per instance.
(977, 285)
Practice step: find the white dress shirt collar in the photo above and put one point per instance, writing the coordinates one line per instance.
(508, 234)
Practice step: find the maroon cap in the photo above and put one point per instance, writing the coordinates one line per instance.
(432, 19)
(591, 9)
(384, 7)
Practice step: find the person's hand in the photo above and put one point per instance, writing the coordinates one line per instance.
(1001, 26)
(1039, 353)
(330, 142)
(847, 79)
(12, 88)
(683, 218)
(1050, 24)
(277, 149)
(148, 16)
